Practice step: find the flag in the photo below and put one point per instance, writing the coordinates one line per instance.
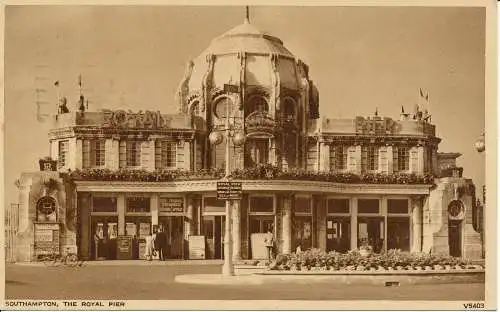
(421, 92)
(56, 83)
(80, 80)
(427, 97)
(402, 109)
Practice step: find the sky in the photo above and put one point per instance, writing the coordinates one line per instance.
(361, 59)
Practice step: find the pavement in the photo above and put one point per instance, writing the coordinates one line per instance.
(158, 282)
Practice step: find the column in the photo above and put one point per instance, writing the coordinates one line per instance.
(354, 223)
(272, 152)
(320, 203)
(383, 211)
(78, 156)
(236, 230)
(110, 155)
(390, 165)
(287, 224)
(324, 155)
(120, 202)
(24, 204)
(155, 205)
(416, 223)
(151, 151)
(414, 161)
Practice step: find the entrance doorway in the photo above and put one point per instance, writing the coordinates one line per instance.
(257, 227)
(103, 237)
(214, 231)
(338, 234)
(174, 231)
(455, 237)
(371, 232)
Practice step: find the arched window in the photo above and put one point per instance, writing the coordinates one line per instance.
(46, 209)
(222, 107)
(256, 103)
(195, 108)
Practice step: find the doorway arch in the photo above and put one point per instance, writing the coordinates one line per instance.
(455, 219)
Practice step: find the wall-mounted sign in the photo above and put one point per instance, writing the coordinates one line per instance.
(229, 190)
(46, 238)
(374, 125)
(171, 205)
(146, 120)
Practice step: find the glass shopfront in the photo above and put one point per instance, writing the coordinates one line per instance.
(398, 224)
(171, 218)
(104, 228)
(213, 226)
(261, 219)
(138, 223)
(338, 225)
(302, 223)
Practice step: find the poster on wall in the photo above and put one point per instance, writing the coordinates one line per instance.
(124, 248)
(130, 229)
(112, 230)
(144, 229)
(172, 205)
(196, 247)
(100, 230)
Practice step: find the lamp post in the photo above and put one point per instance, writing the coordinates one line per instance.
(216, 137)
(480, 146)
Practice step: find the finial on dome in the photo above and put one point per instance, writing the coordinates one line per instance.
(247, 15)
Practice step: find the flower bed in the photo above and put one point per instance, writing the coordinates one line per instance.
(354, 261)
(261, 172)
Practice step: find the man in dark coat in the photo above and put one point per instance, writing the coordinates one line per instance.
(162, 243)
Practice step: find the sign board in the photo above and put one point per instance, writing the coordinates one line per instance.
(229, 190)
(124, 247)
(196, 247)
(171, 205)
(46, 238)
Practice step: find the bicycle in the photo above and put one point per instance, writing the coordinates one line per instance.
(68, 259)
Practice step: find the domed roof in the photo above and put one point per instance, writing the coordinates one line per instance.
(247, 38)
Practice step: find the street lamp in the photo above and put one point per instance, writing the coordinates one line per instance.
(480, 146)
(216, 137)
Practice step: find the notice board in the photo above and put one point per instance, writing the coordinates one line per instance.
(196, 247)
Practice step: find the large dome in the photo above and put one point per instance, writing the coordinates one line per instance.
(246, 38)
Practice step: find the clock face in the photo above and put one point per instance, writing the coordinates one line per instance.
(455, 208)
(223, 107)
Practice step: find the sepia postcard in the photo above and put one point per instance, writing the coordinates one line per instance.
(249, 156)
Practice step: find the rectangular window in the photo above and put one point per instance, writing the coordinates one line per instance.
(165, 154)
(397, 206)
(257, 152)
(212, 204)
(398, 233)
(133, 153)
(264, 204)
(63, 153)
(372, 158)
(104, 204)
(403, 159)
(338, 205)
(338, 157)
(303, 205)
(138, 204)
(368, 206)
(97, 151)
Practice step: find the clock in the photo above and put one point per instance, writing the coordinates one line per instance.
(455, 208)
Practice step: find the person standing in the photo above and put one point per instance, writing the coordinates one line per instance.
(269, 242)
(149, 247)
(162, 244)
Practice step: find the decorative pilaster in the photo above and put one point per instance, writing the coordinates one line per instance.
(78, 156)
(324, 155)
(354, 223)
(155, 207)
(416, 216)
(319, 203)
(414, 161)
(420, 160)
(24, 205)
(236, 230)
(383, 211)
(287, 224)
(72, 154)
(120, 202)
(390, 165)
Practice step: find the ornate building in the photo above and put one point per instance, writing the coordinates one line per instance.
(328, 183)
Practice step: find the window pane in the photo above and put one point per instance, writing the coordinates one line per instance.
(104, 204)
(63, 153)
(302, 205)
(97, 153)
(371, 232)
(138, 204)
(398, 233)
(397, 206)
(338, 234)
(302, 232)
(368, 206)
(133, 154)
(256, 152)
(338, 205)
(261, 204)
(212, 204)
